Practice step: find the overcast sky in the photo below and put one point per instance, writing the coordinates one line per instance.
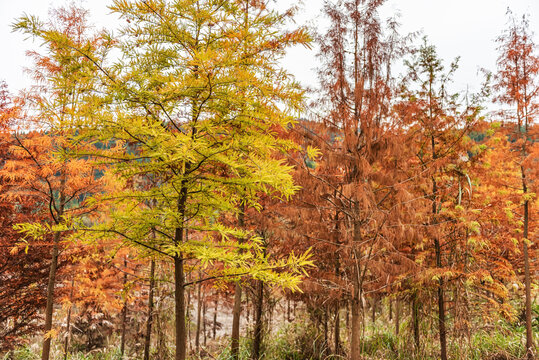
(465, 28)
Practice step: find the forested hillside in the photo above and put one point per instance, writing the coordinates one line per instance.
(169, 191)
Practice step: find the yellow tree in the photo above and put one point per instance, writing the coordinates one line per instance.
(194, 102)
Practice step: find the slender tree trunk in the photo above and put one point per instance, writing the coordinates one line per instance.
(438, 251)
(347, 315)
(325, 323)
(527, 281)
(236, 311)
(204, 307)
(288, 311)
(188, 320)
(215, 316)
(50, 297)
(45, 354)
(179, 295)
(68, 322)
(337, 330)
(373, 310)
(397, 317)
(179, 279)
(257, 340)
(390, 305)
(161, 346)
(148, 337)
(415, 322)
(441, 306)
(124, 313)
(355, 304)
(248, 301)
(199, 312)
(355, 336)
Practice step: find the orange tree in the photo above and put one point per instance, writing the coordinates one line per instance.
(23, 274)
(517, 85)
(36, 169)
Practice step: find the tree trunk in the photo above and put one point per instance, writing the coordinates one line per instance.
(257, 340)
(188, 320)
(124, 313)
(415, 322)
(50, 297)
(179, 279)
(373, 317)
(441, 305)
(397, 317)
(199, 312)
(161, 345)
(527, 281)
(355, 336)
(288, 311)
(236, 311)
(215, 316)
(179, 297)
(325, 323)
(337, 330)
(68, 322)
(204, 307)
(148, 337)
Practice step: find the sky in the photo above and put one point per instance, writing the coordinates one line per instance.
(465, 28)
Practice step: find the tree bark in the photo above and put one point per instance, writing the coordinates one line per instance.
(215, 316)
(199, 312)
(188, 320)
(337, 330)
(415, 322)
(45, 354)
(441, 305)
(355, 336)
(527, 282)
(373, 310)
(236, 311)
(179, 297)
(179, 279)
(397, 317)
(50, 298)
(355, 305)
(159, 324)
(288, 311)
(124, 313)
(204, 307)
(148, 337)
(257, 340)
(68, 322)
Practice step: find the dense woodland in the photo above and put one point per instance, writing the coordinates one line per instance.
(169, 191)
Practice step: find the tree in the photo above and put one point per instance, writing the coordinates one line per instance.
(194, 103)
(358, 52)
(438, 125)
(36, 170)
(517, 83)
(23, 274)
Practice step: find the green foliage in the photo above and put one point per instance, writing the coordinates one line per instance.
(23, 353)
(296, 341)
